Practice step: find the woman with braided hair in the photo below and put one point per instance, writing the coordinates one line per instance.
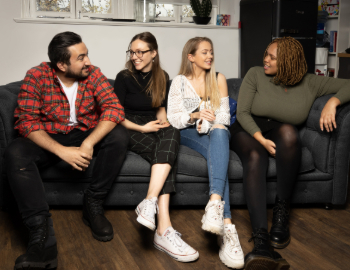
(272, 102)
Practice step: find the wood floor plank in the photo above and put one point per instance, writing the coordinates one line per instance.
(320, 240)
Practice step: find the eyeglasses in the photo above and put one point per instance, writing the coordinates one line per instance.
(139, 54)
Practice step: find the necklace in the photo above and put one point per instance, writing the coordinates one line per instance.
(144, 77)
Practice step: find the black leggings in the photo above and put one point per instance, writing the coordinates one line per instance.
(254, 158)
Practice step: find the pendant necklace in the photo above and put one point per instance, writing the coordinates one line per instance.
(144, 77)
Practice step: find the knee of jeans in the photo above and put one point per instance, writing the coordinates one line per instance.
(119, 136)
(218, 126)
(16, 156)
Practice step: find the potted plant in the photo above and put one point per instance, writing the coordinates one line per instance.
(202, 11)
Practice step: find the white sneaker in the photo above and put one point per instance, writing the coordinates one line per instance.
(231, 253)
(171, 243)
(146, 211)
(213, 219)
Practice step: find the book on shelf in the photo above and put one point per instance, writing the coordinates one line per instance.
(333, 41)
(223, 20)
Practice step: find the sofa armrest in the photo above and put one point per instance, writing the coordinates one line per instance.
(8, 103)
(330, 150)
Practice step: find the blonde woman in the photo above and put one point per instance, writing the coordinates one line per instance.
(198, 105)
(142, 89)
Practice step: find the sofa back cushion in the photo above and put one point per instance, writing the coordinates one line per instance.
(317, 144)
(233, 87)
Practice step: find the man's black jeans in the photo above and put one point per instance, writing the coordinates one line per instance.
(24, 159)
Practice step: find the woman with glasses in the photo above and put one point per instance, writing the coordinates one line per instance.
(198, 104)
(142, 89)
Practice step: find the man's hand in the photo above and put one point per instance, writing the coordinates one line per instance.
(87, 148)
(78, 159)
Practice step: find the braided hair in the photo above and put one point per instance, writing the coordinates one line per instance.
(291, 63)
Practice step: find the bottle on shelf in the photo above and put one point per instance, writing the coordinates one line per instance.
(321, 20)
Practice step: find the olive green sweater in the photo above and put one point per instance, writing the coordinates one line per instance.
(261, 97)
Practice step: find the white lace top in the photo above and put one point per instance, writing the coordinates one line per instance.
(183, 100)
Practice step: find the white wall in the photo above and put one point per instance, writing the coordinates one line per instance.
(24, 45)
(230, 7)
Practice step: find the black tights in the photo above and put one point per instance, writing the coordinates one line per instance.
(254, 158)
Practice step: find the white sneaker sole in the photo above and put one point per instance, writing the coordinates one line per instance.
(179, 258)
(140, 219)
(210, 227)
(239, 264)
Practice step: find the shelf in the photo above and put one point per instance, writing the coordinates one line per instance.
(116, 23)
(343, 55)
(333, 17)
(332, 53)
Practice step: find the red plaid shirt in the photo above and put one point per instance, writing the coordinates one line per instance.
(43, 105)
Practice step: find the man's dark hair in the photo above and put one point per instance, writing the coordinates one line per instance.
(58, 47)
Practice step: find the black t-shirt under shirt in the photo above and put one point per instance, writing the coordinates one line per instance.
(132, 94)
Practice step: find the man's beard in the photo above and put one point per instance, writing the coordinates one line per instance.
(76, 75)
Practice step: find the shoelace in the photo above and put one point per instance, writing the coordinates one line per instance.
(150, 208)
(281, 213)
(37, 235)
(232, 239)
(175, 237)
(260, 238)
(95, 206)
(217, 213)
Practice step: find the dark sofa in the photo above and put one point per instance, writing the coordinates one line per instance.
(323, 174)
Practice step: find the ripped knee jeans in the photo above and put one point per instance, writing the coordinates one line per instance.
(214, 147)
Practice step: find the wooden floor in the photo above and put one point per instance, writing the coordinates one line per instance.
(320, 240)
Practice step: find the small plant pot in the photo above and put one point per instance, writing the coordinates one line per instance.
(201, 20)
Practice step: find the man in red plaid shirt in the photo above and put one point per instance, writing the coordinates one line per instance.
(67, 110)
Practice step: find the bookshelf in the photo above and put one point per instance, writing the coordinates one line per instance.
(340, 23)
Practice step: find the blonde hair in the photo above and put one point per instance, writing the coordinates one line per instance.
(291, 63)
(186, 69)
(157, 84)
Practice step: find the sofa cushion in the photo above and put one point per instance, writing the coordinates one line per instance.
(233, 87)
(194, 164)
(190, 163)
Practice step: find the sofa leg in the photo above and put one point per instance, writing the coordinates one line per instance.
(328, 206)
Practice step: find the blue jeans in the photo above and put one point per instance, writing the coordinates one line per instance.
(215, 149)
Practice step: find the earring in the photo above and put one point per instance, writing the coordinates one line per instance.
(153, 60)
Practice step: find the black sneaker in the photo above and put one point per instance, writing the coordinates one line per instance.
(42, 247)
(263, 257)
(93, 216)
(279, 233)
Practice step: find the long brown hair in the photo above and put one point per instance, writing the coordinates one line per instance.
(186, 69)
(157, 84)
(291, 63)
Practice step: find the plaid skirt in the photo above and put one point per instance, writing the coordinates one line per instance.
(156, 147)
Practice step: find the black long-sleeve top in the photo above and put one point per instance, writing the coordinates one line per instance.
(131, 91)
